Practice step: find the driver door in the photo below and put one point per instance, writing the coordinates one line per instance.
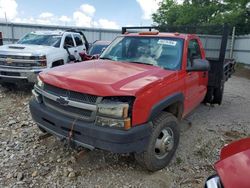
(194, 88)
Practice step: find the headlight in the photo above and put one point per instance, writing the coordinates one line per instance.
(110, 122)
(39, 82)
(114, 113)
(42, 61)
(113, 109)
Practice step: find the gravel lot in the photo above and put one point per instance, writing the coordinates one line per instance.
(30, 159)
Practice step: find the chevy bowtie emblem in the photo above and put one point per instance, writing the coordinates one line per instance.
(63, 101)
(8, 60)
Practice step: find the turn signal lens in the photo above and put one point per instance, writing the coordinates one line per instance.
(127, 124)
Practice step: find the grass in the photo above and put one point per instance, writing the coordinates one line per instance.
(178, 160)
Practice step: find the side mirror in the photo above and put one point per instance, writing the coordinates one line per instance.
(199, 65)
(213, 182)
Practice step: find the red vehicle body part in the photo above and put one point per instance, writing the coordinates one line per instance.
(234, 165)
(149, 84)
(85, 57)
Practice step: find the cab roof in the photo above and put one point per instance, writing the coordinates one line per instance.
(55, 32)
(51, 32)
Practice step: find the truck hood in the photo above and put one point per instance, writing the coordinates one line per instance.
(104, 77)
(25, 50)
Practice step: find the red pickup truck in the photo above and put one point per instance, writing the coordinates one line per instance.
(131, 99)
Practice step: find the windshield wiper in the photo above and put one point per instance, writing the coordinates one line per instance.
(107, 58)
(138, 62)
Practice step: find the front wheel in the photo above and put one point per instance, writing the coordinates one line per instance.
(163, 143)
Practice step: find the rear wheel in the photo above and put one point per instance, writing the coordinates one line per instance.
(163, 143)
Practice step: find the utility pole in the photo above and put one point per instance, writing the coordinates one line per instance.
(232, 44)
(6, 21)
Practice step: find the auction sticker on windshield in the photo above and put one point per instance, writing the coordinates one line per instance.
(167, 42)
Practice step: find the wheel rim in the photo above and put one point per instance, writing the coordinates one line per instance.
(164, 143)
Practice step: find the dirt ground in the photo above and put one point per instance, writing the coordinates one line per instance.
(30, 159)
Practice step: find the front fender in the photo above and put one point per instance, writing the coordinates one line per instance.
(58, 54)
(164, 103)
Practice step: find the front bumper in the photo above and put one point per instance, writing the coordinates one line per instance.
(14, 75)
(88, 135)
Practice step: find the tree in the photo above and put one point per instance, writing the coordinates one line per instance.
(205, 12)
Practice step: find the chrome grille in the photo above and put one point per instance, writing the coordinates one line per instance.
(18, 64)
(18, 57)
(68, 110)
(72, 95)
(18, 61)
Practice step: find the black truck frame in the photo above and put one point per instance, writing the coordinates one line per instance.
(221, 68)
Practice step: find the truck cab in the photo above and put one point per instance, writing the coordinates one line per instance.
(130, 100)
(38, 51)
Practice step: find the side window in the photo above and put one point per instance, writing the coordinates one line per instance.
(68, 41)
(78, 40)
(193, 52)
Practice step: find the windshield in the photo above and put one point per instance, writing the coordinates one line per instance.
(38, 39)
(158, 51)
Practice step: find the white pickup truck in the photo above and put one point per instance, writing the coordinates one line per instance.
(37, 51)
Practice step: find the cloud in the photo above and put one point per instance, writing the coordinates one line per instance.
(87, 9)
(107, 24)
(148, 7)
(24, 20)
(45, 18)
(83, 17)
(65, 19)
(46, 15)
(8, 7)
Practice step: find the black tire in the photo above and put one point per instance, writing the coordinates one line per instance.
(151, 159)
(218, 94)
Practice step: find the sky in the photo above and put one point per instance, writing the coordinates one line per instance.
(110, 14)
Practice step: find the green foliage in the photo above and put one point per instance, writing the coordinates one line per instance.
(205, 12)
